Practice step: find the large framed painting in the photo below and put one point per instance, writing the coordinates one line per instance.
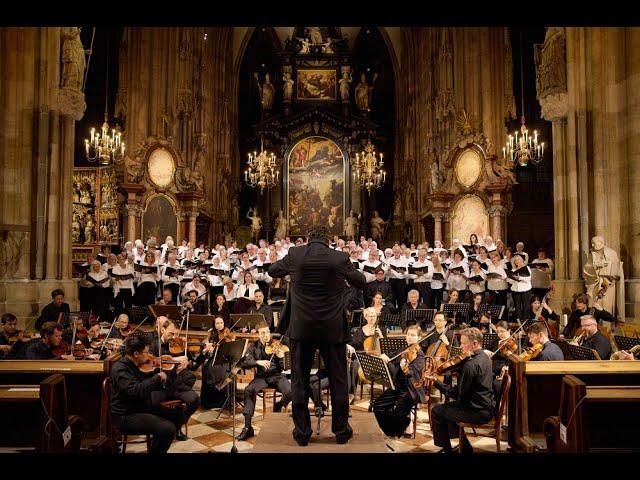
(159, 218)
(317, 84)
(316, 191)
(469, 216)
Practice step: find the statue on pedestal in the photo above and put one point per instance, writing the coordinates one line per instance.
(351, 226)
(281, 226)
(603, 270)
(377, 227)
(362, 94)
(73, 60)
(256, 224)
(88, 230)
(344, 86)
(287, 87)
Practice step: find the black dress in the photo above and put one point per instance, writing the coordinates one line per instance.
(212, 375)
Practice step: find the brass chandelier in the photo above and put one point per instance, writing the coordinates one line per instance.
(367, 169)
(262, 171)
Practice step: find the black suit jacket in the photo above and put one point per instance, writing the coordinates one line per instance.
(315, 307)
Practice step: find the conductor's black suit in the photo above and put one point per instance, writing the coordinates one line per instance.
(314, 317)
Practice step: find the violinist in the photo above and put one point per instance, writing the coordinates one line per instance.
(50, 337)
(82, 334)
(473, 395)
(537, 333)
(212, 375)
(167, 297)
(268, 374)
(473, 317)
(9, 331)
(501, 357)
(52, 311)
(131, 409)
(593, 338)
(220, 308)
(195, 306)
(582, 308)
(392, 409)
(122, 327)
(180, 380)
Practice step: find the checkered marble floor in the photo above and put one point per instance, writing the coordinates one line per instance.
(208, 433)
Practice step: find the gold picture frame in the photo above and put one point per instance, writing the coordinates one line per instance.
(316, 85)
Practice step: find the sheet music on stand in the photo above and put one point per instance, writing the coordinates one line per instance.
(245, 320)
(626, 343)
(230, 352)
(356, 318)
(576, 352)
(63, 319)
(390, 320)
(420, 316)
(375, 369)
(527, 325)
(83, 315)
(391, 346)
(169, 311)
(455, 351)
(138, 314)
(490, 341)
(201, 322)
(457, 311)
(495, 311)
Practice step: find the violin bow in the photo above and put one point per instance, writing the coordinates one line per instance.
(108, 335)
(73, 338)
(417, 343)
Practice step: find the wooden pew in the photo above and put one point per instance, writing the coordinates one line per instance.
(536, 387)
(595, 418)
(34, 417)
(83, 379)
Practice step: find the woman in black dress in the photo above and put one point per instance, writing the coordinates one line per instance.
(213, 375)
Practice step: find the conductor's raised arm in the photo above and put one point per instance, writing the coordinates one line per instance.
(280, 268)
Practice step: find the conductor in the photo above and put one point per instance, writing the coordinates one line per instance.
(314, 318)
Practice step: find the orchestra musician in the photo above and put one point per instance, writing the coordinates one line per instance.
(180, 380)
(392, 409)
(380, 284)
(195, 305)
(358, 341)
(132, 411)
(413, 303)
(582, 305)
(473, 395)
(221, 309)
(50, 337)
(210, 395)
(538, 334)
(167, 297)
(260, 307)
(268, 374)
(377, 303)
(9, 334)
(592, 338)
(52, 311)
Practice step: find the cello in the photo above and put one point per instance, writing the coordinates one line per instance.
(371, 345)
(553, 330)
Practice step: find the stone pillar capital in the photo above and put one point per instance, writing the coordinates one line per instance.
(71, 103)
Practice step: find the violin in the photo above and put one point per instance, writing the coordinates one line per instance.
(410, 355)
(225, 335)
(19, 336)
(125, 332)
(531, 353)
(177, 344)
(276, 347)
(508, 346)
(453, 363)
(166, 363)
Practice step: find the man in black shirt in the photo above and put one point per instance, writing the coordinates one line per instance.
(131, 389)
(261, 307)
(180, 380)
(52, 311)
(268, 374)
(197, 307)
(414, 303)
(9, 328)
(473, 396)
(379, 285)
(538, 333)
(593, 338)
(50, 337)
(582, 308)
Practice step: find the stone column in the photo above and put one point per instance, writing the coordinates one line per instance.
(134, 209)
(497, 214)
(192, 225)
(437, 226)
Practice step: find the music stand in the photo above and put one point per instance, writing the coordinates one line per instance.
(389, 346)
(490, 341)
(356, 316)
(139, 314)
(375, 370)
(84, 315)
(494, 311)
(245, 320)
(626, 343)
(169, 311)
(230, 353)
(425, 315)
(527, 325)
(201, 322)
(576, 352)
(63, 319)
(455, 351)
(453, 310)
(389, 319)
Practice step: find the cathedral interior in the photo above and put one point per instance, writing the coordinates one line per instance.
(402, 134)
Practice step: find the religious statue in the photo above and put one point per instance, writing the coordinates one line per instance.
(377, 227)
(604, 269)
(75, 230)
(256, 224)
(235, 211)
(134, 168)
(85, 196)
(362, 94)
(351, 226)
(344, 86)
(287, 86)
(305, 45)
(281, 226)
(190, 178)
(316, 35)
(88, 230)
(76, 192)
(267, 92)
(73, 60)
